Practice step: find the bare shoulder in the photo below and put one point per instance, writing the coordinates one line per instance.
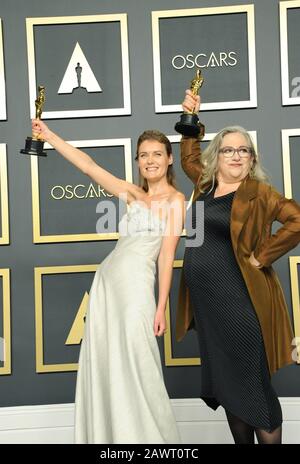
(176, 202)
(176, 196)
(176, 212)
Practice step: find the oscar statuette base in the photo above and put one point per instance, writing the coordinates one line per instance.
(33, 147)
(189, 125)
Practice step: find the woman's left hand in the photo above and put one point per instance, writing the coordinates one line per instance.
(160, 323)
(253, 261)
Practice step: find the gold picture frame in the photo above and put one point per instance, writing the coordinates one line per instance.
(286, 159)
(160, 15)
(5, 275)
(3, 114)
(284, 6)
(86, 19)
(41, 367)
(39, 272)
(294, 262)
(4, 239)
(37, 237)
(169, 359)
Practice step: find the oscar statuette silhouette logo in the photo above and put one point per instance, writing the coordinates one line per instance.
(189, 123)
(79, 77)
(35, 145)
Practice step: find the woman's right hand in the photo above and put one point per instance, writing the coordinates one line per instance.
(191, 103)
(40, 130)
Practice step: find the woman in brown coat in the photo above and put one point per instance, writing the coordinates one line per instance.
(229, 290)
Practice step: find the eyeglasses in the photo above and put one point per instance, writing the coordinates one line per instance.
(228, 152)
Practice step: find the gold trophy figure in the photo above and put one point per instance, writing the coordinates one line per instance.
(35, 145)
(189, 123)
(197, 82)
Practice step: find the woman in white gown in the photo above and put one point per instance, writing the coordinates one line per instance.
(120, 392)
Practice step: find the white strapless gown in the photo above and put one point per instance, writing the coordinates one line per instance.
(120, 392)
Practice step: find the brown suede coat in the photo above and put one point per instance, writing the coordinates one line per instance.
(255, 207)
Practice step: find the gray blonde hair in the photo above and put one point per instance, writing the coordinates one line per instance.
(209, 159)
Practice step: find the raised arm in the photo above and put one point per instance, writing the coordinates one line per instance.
(190, 158)
(87, 165)
(189, 146)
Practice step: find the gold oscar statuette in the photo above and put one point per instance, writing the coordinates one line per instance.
(189, 124)
(35, 145)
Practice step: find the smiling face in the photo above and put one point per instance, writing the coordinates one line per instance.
(236, 168)
(153, 160)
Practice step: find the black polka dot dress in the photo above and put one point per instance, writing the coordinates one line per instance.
(234, 368)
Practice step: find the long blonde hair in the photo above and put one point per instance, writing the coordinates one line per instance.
(209, 159)
(161, 138)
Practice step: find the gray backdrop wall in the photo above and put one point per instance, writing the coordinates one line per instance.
(24, 386)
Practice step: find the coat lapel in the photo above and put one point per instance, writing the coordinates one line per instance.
(241, 207)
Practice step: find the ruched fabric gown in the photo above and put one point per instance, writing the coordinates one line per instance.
(234, 368)
(120, 392)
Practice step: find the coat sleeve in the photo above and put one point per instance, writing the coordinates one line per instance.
(288, 236)
(190, 153)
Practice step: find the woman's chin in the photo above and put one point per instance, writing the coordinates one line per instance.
(237, 175)
(152, 176)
